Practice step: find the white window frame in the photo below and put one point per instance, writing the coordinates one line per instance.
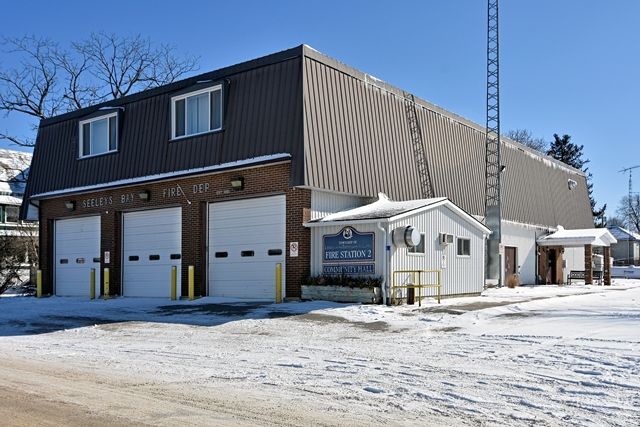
(91, 122)
(458, 247)
(420, 249)
(5, 215)
(174, 100)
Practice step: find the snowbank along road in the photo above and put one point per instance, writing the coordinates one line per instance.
(543, 356)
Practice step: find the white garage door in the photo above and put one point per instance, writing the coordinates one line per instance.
(151, 245)
(246, 240)
(77, 251)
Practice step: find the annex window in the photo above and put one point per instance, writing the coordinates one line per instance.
(197, 112)
(464, 247)
(419, 249)
(99, 135)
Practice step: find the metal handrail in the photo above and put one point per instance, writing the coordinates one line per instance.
(417, 283)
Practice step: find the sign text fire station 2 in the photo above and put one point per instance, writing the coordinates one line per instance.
(347, 246)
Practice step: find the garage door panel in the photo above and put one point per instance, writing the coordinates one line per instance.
(77, 244)
(252, 225)
(156, 233)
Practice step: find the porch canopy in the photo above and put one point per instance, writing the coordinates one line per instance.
(588, 238)
(576, 238)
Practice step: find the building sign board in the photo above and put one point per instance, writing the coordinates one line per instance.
(348, 252)
(348, 269)
(348, 245)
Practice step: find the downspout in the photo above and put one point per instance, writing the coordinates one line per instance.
(384, 264)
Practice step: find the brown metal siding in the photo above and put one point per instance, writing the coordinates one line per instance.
(263, 116)
(346, 132)
(357, 141)
(352, 139)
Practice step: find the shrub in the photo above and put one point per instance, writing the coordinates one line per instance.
(513, 281)
(343, 281)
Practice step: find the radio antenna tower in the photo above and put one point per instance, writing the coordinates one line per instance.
(493, 194)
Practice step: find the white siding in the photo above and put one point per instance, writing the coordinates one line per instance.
(574, 258)
(462, 275)
(523, 237)
(324, 203)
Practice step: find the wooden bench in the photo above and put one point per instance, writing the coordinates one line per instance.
(579, 275)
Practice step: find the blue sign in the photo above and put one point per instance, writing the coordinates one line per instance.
(348, 269)
(348, 246)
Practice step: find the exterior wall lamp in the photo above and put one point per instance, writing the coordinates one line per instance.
(237, 183)
(144, 195)
(70, 204)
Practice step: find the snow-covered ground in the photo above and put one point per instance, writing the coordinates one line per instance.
(544, 355)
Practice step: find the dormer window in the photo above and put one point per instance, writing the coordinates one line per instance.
(99, 135)
(197, 112)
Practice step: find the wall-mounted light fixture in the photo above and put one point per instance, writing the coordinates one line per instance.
(70, 204)
(144, 195)
(572, 184)
(237, 183)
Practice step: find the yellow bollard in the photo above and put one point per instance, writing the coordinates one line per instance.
(106, 283)
(192, 291)
(174, 274)
(92, 284)
(39, 284)
(278, 282)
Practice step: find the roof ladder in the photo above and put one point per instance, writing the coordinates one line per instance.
(426, 186)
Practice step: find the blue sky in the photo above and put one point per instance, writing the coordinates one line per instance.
(566, 66)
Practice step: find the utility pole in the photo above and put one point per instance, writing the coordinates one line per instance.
(493, 193)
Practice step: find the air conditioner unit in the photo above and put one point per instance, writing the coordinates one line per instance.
(446, 238)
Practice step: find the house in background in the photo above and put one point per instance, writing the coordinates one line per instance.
(19, 239)
(14, 170)
(627, 250)
(217, 174)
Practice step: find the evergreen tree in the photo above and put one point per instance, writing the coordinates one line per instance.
(567, 152)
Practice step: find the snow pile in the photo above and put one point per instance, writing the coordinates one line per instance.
(544, 355)
(14, 170)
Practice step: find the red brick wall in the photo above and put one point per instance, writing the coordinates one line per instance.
(198, 191)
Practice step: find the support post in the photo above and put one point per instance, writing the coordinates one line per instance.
(192, 293)
(588, 265)
(174, 281)
(278, 282)
(106, 283)
(606, 265)
(39, 284)
(92, 284)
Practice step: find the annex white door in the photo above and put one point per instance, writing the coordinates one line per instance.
(151, 245)
(77, 251)
(246, 240)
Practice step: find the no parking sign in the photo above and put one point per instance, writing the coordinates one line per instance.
(293, 249)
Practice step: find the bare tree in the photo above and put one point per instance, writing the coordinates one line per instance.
(18, 252)
(629, 212)
(524, 137)
(51, 80)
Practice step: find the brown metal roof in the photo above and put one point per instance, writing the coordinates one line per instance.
(346, 132)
